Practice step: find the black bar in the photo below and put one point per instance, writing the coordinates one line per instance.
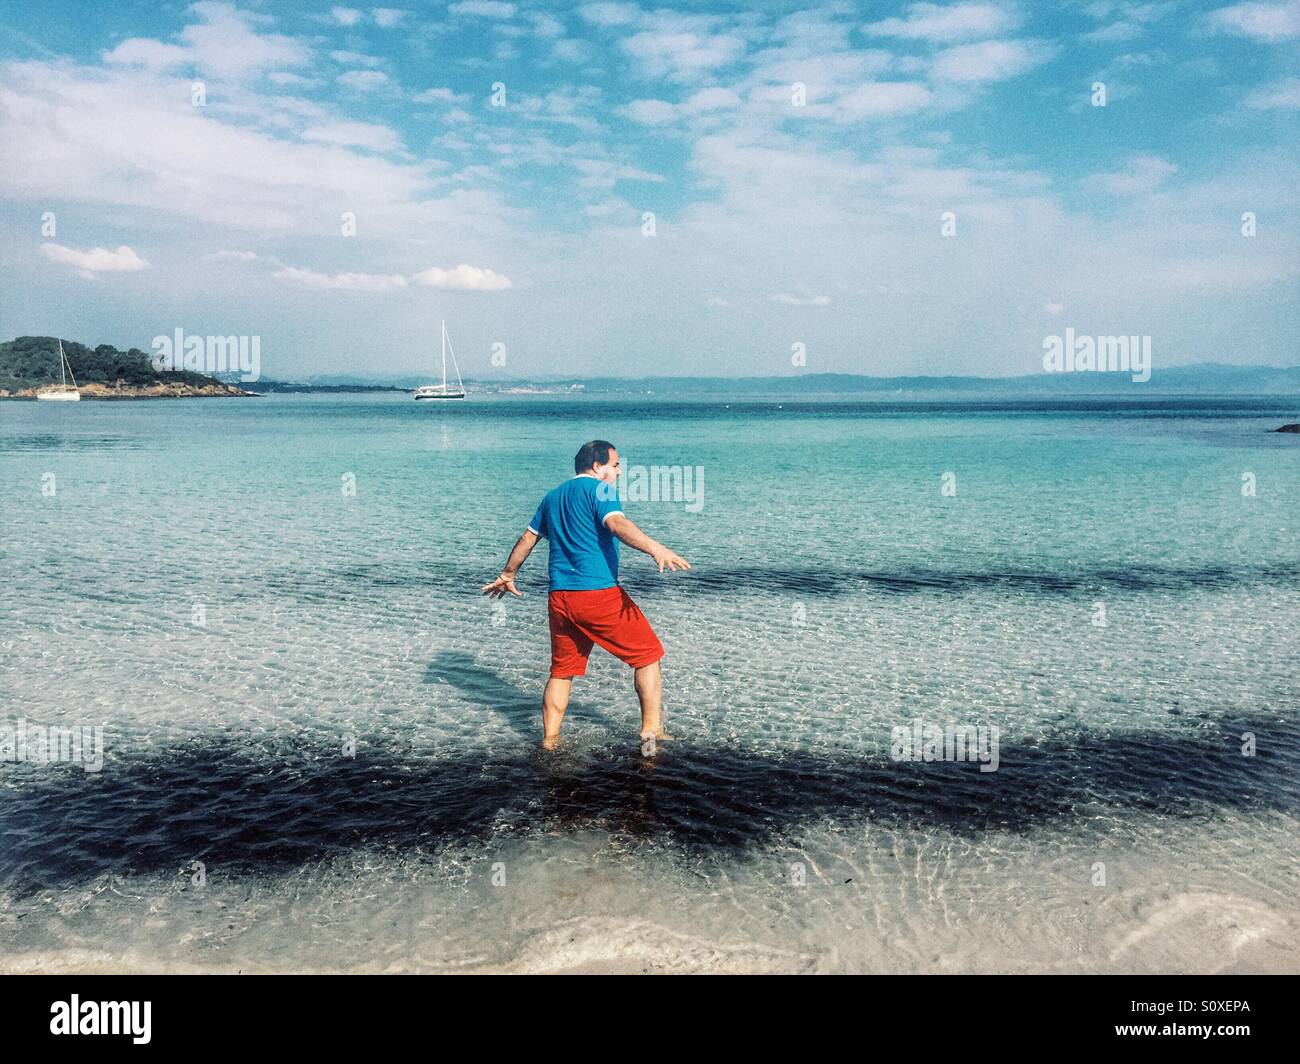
(1057, 1014)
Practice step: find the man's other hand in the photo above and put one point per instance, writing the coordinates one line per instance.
(503, 583)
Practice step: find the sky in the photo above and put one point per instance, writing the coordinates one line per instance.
(621, 189)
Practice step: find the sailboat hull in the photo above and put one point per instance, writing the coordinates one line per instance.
(59, 397)
(439, 398)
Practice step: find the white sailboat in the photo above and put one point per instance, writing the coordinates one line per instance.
(63, 392)
(443, 391)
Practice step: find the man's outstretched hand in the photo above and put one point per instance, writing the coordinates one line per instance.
(501, 585)
(665, 557)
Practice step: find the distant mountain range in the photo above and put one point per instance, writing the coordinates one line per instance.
(1202, 378)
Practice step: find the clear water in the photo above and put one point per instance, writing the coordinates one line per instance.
(201, 586)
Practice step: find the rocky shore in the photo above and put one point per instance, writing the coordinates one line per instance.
(158, 390)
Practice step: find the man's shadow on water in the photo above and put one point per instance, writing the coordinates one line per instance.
(483, 687)
(269, 804)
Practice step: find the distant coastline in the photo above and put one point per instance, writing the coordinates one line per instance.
(1205, 378)
(29, 364)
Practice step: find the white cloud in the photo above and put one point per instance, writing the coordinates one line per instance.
(604, 173)
(387, 17)
(346, 282)
(356, 59)
(364, 80)
(607, 208)
(284, 77)
(1283, 94)
(990, 60)
(345, 16)
(813, 31)
(1260, 22)
(547, 26)
(224, 42)
(824, 65)
(785, 299)
(652, 112)
(354, 135)
(881, 98)
(714, 99)
(119, 139)
(483, 9)
(569, 50)
(571, 106)
(1116, 31)
(659, 112)
(1145, 174)
(1130, 18)
(154, 55)
(682, 56)
(609, 14)
(463, 278)
(96, 260)
(440, 95)
(955, 22)
(233, 256)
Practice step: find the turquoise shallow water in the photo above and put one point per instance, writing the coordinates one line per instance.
(301, 689)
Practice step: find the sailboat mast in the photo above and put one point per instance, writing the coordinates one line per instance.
(460, 384)
(444, 354)
(63, 377)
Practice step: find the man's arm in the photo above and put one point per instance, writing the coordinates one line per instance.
(638, 540)
(506, 581)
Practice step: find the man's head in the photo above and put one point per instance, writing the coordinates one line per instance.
(598, 458)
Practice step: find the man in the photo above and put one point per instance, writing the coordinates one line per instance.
(580, 519)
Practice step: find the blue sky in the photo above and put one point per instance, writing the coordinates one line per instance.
(798, 161)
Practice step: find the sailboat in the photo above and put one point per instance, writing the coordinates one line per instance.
(63, 392)
(443, 390)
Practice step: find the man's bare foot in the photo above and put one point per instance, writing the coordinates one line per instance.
(659, 736)
(551, 742)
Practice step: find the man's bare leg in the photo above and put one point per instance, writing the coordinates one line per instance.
(649, 689)
(555, 700)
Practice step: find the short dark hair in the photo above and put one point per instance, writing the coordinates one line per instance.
(592, 454)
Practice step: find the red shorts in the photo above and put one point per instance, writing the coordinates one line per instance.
(608, 617)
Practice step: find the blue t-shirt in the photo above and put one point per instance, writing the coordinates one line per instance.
(584, 553)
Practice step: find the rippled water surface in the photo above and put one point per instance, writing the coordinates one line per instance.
(322, 743)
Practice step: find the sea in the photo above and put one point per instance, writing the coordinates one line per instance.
(956, 684)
